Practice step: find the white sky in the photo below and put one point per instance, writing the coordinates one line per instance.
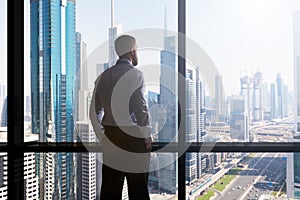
(238, 35)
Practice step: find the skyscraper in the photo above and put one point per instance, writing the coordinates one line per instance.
(274, 102)
(31, 185)
(279, 83)
(86, 165)
(113, 33)
(219, 96)
(201, 118)
(53, 75)
(239, 121)
(78, 65)
(293, 163)
(168, 99)
(285, 101)
(191, 125)
(83, 84)
(266, 97)
(246, 89)
(257, 97)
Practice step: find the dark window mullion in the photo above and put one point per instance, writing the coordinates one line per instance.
(15, 97)
(160, 147)
(181, 99)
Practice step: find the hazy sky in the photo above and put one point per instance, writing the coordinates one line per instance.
(245, 35)
(238, 35)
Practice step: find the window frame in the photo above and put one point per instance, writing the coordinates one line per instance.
(16, 147)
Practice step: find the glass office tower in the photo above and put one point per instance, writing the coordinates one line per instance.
(53, 76)
(168, 99)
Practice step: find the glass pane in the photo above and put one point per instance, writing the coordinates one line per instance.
(240, 176)
(50, 70)
(244, 53)
(3, 76)
(85, 180)
(66, 50)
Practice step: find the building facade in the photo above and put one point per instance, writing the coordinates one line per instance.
(191, 125)
(239, 121)
(53, 99)
(168, 99)
(258, 97)
(219, 96)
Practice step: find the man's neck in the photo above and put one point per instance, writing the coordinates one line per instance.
(125, 59)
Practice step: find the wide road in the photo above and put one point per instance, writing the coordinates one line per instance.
(213, 179)
(256, 178)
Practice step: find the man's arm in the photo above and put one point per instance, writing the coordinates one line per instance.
(96, 110)
(140, 109)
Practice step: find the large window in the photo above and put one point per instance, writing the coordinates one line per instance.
(220, 86)
(245, 56)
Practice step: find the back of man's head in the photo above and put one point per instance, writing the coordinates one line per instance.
(124, 44)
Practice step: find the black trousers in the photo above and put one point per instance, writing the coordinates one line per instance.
(117, 164)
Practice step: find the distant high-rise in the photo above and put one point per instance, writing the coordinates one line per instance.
(113, 32)
(201, 118)
(266, 97)
(239, 121)
(168, 99)
(257, 97)
(191, 125)
(279, 83)
(78, 79)
(53, 75)
(285, 101)
(293, 163)
(274, 102)
(219, 96)
(246, 90)
(83, 84)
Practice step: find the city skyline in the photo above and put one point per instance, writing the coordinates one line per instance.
(278, 9)
(166, 179)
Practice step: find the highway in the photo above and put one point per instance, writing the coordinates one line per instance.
(262, 174)
(213, 179)
(255, 179)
